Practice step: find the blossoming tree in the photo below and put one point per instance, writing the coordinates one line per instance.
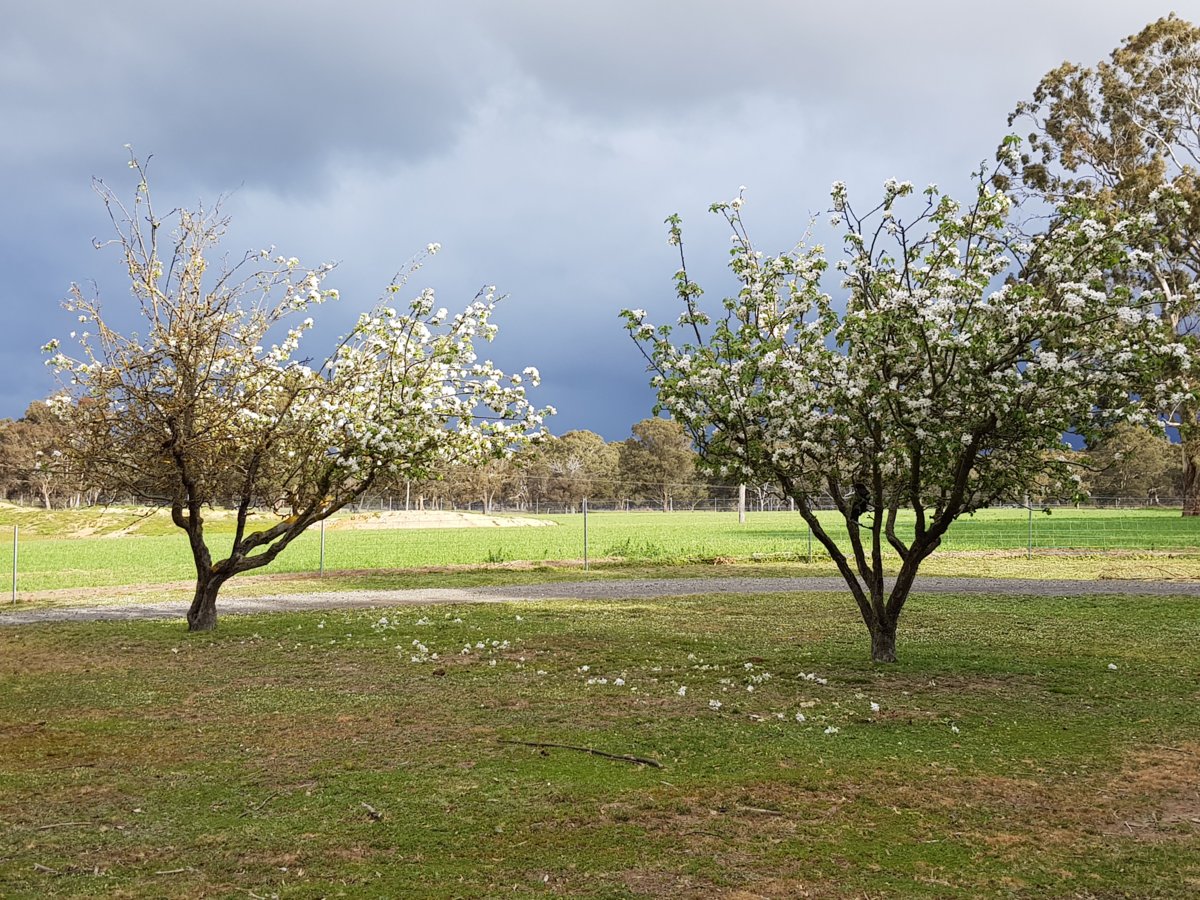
(212, 404)
(1121, 133)
(945, 384)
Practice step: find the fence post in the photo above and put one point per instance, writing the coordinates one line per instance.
(322, 570)
(585, 536)
(16, 529)
(1029, 530)
(741, 504)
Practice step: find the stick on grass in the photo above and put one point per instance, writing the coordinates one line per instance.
(624, 757)
(258, 806)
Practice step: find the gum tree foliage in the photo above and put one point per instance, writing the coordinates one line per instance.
(575, 466)
(657, 464)
(482, 484)
(1135, 464)
(944, 385)
(31, 458)
(1121, 133)
(211, 402)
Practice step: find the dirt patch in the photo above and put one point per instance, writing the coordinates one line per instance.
(777, 887)
(430, 519)
(915, 686)
(119, 533)
(657, 883)
(1157, 795)
(24, 659)
(1086, 553)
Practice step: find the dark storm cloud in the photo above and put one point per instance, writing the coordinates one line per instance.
(229, 92)
(541, 142)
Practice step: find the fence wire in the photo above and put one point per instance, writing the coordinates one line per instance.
(379, 534)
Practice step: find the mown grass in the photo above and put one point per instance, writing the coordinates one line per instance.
(155, 552)
(310, 755)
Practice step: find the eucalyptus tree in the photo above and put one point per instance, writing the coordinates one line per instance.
(943, 384)
(658, 464)
(211, 403)
(1132, 464)
(1120, 133)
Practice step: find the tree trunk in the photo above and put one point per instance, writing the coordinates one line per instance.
(1191, 476)
(202, 616)
(883, 642)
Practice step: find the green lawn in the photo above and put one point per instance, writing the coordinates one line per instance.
(154, 551)
(308, 755)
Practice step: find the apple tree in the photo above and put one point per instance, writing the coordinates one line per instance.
(941, 381)
(211, 403)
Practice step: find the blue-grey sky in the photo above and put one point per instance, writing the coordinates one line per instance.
(542, 143)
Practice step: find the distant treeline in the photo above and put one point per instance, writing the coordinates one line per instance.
(656, 466)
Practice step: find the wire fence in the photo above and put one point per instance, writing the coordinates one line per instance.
(709, 521)
(111, 547)
(392, 503)
(527, 495)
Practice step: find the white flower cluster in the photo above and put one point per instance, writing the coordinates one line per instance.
(938, 386)
(220, 371)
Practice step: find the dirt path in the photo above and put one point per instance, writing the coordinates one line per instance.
(632, 589)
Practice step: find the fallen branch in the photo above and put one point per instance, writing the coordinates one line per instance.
(38, 867)
(175, 871)
(63, 825)
(258, 806)
(376, 815)
(761, 810)
(624, 757)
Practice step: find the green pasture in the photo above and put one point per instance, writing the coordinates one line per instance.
(122, 547)
(1020, 748)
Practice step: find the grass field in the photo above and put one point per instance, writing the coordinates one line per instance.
(120, 548)
(304, 755)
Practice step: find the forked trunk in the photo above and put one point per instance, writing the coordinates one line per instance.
(202, 616)
(883, 642)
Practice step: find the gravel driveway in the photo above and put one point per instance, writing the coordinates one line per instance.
(632, 589)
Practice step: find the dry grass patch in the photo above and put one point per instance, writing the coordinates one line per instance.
(1157, 794)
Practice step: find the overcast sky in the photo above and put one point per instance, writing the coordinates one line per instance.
(541, 142)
